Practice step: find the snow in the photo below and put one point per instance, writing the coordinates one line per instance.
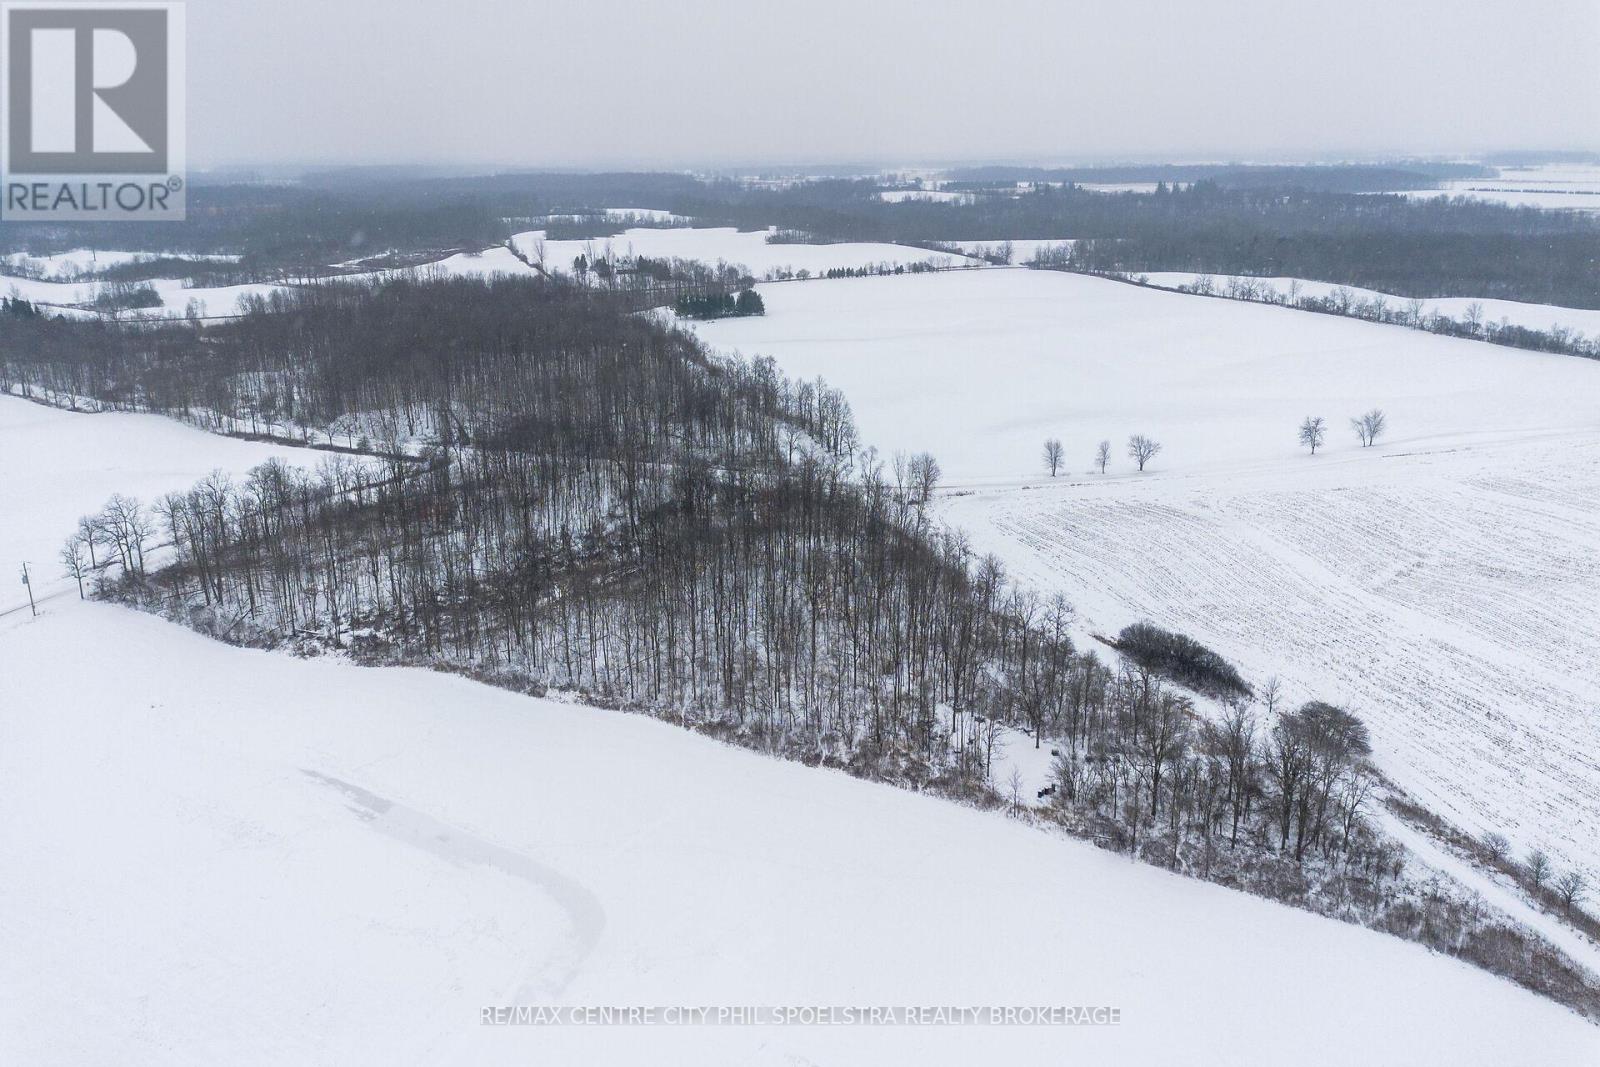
(1493, 890)
(60, 465)
(900, 196)
(44, 292)
(82, 260)
(1548, 199)
(210, 300)
(651, 213)
(1119, 187)
(496, 259)
(980, 367)
(1568, 187)
(175, 294)
(726, 244)
(1022, 251)
(1443, 594)
(1514, 312)
(214, 301)
(215, 855)
(1441, 584)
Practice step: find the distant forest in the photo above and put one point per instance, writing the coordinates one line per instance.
(1330, 178)
(1307, 222)
(1415, 248)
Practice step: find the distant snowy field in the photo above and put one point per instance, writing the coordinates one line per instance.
(1022, 251)
(1561, 187)
(900, 196)
(1442, 583)
(80, 260)
(176, 294)
(980, 367)
(1514, 312)
(715, 244)
(712, 245)
(654, 214)
(220, 856)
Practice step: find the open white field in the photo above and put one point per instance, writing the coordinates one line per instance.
(1442, 583)
(1515, 312)
(1557, 187)
(652, 214)
(84, 260)
(1022, 251)
(1445, 595)
(943, 196)
(724, 244)
(60, 465)
(980, 367)
(221, 856)
(176, 294)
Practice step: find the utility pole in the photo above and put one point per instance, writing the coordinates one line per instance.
(31, 605)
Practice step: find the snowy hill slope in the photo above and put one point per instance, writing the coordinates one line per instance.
(979, 367)
(60, 465)
(1441, 582)
(216, 855)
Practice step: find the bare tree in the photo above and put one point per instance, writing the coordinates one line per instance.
(1142, 449)
(1312, 432)
(1497, 846)
(1234, 740)
(1369, 426)
(1538, 867)
(1272, 694)
(128, 527)
(923, 474)
(1052, 455)
(90, 533)
(75, 560)
(1570, 887)
(1102, 455)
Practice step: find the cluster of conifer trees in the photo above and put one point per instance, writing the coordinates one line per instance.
(720, 305)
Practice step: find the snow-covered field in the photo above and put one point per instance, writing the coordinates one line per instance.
(1442, 583)
(900, 196)
(1514, 312)
(980, 367)
(211, 855)
(1564, 187)
(1022, 251)
(60, 465)
(654, 214)
(175, 294)
(84, 260)
(713, 244)
(496, 259)
(708, 244)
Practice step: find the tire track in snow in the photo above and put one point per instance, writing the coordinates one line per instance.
(584, 910)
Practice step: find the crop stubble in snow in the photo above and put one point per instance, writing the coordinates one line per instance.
(1443, 584)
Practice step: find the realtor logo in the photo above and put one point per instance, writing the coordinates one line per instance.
(93, 107)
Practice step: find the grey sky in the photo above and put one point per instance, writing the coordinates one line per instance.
(608, 82)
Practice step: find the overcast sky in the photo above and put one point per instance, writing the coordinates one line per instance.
(681, 82)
